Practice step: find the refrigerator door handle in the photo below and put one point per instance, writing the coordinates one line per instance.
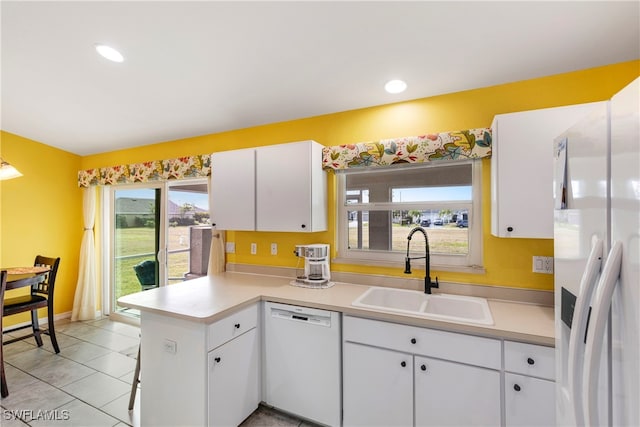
(579, 328)
(595, 335)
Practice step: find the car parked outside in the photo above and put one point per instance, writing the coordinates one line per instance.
(438, 221)
(462, 223)
(425, 223)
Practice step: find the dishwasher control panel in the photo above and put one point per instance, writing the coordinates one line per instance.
(301, 316)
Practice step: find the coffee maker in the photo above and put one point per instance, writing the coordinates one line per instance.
(316, 266)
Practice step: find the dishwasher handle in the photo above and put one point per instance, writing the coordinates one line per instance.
(295, 316)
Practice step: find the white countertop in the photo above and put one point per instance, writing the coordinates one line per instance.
(208, 299)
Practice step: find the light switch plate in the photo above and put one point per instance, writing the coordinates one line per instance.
(254, 248)
(230, 247)
(274, 249)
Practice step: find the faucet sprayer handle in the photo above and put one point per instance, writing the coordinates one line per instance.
(407, 265)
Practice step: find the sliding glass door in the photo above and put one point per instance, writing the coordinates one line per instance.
(189, 230)
(137, 236)
(159, 235)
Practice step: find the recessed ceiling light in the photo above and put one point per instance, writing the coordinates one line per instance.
(110, 53)
(395, 86)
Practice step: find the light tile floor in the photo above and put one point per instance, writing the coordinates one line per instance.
(88, 383)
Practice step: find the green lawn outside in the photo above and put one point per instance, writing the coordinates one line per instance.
(447, 239)
(132, 241)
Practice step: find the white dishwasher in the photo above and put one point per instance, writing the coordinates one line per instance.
(302, 362)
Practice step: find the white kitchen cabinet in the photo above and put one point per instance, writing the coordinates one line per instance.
(529, 401)
(234, 382)
(377, 386)
(178, 364)
(291, 187)
(233, 188)
(529, 384)
(452, 394)
(271, 188)
(522, 169)
(393, 371)
(529, 359)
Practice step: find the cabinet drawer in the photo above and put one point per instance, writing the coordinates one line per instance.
(427, 342)
(232, 326)
(529, 401)
(530, 359)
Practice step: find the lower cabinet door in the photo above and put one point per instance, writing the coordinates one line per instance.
(234, 380)
(529, 401)
(377, 387)
(452, 394)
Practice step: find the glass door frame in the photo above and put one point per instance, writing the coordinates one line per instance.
(108, 231)
(170, 252)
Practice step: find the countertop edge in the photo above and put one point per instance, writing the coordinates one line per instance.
(236, 294)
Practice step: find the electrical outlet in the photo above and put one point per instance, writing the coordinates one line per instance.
(254, 248)
(274, 249)
(231, 248)
(543, 264)
(170, 346)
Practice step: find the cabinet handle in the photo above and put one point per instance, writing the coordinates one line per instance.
(530, 361)
(403, 363)
(516, 387)
(213, 225)
(413, 341)
(237, 325)
(423, 367)
(509, 229)
(303, 226)
(217, 359)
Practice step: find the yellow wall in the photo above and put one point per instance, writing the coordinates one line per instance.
(41, 213)
(507, 262)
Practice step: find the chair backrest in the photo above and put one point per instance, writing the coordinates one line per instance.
(146, 272)
(3, 286)
(46, 287)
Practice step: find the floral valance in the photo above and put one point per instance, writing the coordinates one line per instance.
(456, 145)
(155, 170)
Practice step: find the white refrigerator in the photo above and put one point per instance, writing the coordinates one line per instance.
(597, 265)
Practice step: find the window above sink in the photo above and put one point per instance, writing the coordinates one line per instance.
(378, 207)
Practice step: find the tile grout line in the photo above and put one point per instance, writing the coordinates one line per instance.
(83, 364)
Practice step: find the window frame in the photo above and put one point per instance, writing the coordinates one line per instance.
(470, 263)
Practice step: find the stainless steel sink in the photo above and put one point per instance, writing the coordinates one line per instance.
(437, 306)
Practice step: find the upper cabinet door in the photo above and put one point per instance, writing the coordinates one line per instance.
(522, 169)
(291, 193)
(233, 202)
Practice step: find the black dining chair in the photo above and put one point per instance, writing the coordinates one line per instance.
(41, 296)
(3, 381)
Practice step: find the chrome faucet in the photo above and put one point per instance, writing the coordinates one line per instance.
(428, 284)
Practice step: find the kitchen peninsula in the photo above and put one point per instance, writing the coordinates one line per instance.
(188, 327)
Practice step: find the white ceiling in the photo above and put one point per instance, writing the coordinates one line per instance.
(195, 68)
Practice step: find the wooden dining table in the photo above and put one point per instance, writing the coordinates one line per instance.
(19, 277)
